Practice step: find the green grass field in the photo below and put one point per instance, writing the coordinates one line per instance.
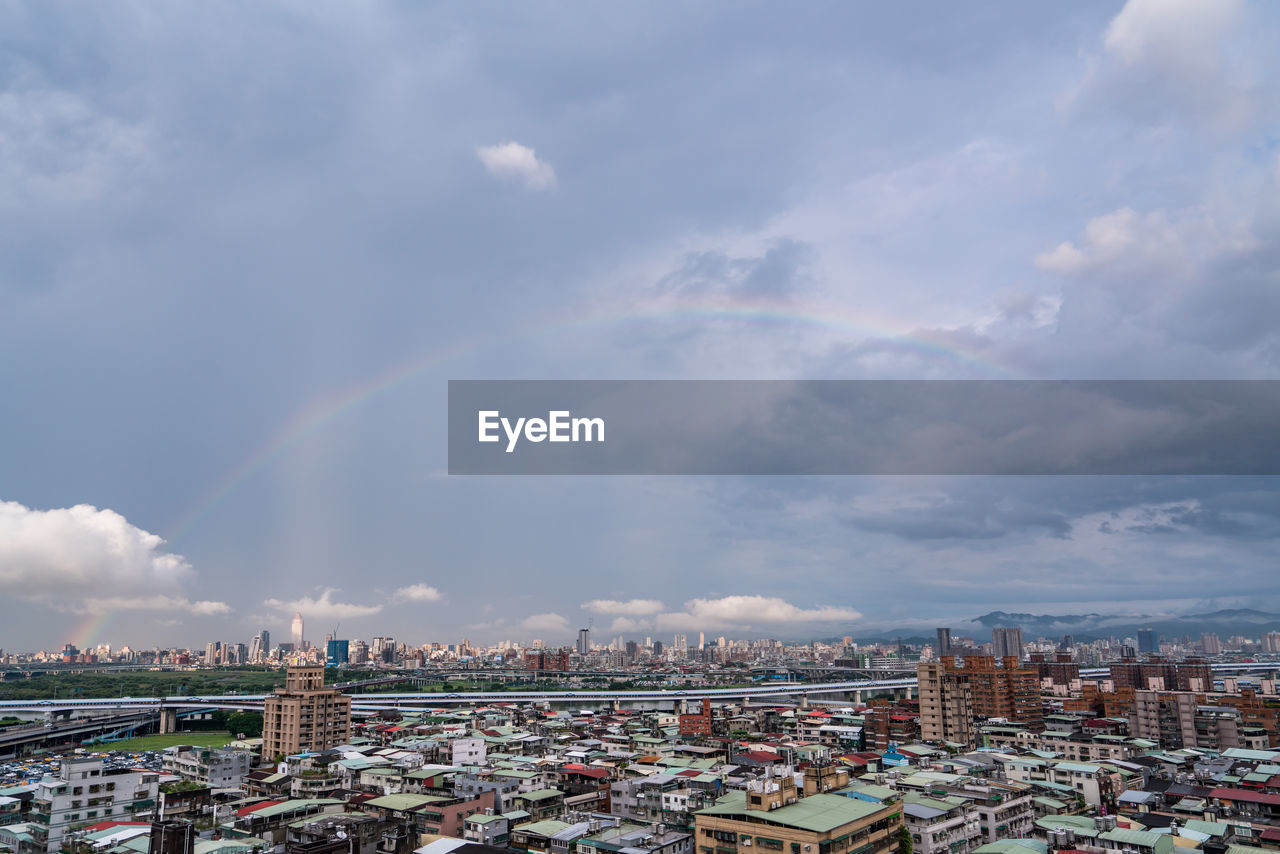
(160, 742)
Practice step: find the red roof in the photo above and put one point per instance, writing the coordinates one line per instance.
(595, 773)
(256, 807)
(1271, 834)
(688, 772)
(1246, 795)
(761, 756)
(107, 825)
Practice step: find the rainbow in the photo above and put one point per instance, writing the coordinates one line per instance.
(325, 409)
(91, 630)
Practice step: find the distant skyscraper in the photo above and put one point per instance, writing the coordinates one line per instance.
(944, 642)
(1210, 644)
(584, 641)
(336, 652)
(260, 647)
(1148, 641)
(297, 631)
(1007, 642)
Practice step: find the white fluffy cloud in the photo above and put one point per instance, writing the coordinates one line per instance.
(322, 608)
(418, 593)
(627, 624)
(513, 161)
(1173, 34)
(93, 561)
(1166, 60)
(628, 607)
(1158, 238)
(552, 624)
(745, 611)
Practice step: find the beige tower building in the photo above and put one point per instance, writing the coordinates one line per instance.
(304, 716)
(946, 703)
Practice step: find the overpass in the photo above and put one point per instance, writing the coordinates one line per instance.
(19, 740)
(418, 701)
(380, 702)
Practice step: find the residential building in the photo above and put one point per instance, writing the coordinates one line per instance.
(84, 793)
(946, 703)
(218, 769)
(770, 816)
(942, 825)
(1006, 642)
(304, 716)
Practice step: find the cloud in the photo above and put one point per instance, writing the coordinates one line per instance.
(322, 608)
(552, 624)
(627, 624)
(1171, 59)
(629, 607)
(1176, 35)
(747, 611)
(418, 593)
(779, 271)
(89, 560)
(513, 161)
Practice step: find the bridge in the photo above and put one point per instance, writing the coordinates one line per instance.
(21, 739)
(424, 701)
(856, 690)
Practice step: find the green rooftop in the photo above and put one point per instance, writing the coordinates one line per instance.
(816, 813)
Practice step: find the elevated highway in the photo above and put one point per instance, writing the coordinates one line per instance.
(368, 703)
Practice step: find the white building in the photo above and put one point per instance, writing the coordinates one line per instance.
(84, 793)
(467, 751)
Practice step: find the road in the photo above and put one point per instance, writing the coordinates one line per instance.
(407, 701)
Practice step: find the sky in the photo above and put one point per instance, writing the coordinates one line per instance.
(243, 249)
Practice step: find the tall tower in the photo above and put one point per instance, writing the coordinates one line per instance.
(584, 641)
(944, 643)
(1007, 642)
(297, 631)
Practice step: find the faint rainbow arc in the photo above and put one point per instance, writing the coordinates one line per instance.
(326, 408)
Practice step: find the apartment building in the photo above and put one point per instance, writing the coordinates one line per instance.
(84, 793)
(218, 769)
(946, 703)
(770, 816)
(942, 825)
(305, 716)
(1178, 719)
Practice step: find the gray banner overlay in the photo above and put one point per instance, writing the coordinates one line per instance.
(824, 427)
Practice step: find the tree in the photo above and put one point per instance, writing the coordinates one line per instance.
(249, 723)
(905, 845)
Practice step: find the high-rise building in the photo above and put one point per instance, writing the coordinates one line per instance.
(944, 643)
(1210, 644)
(260, 647)
(1006, 642)
(297, 632)
(584, 641)
(946, 702)
(1148, 641)
(304, 716)
(336, 653)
